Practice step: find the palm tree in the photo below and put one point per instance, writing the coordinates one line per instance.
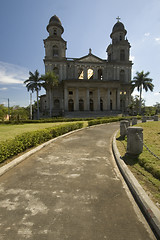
(141, 81)
(50, 80)
(34, 83)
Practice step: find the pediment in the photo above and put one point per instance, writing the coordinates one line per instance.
(90, 58)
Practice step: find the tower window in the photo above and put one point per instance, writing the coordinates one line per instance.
(55, 51)
(55, 31)
(122, 76)
(56, 71)
(122, 55)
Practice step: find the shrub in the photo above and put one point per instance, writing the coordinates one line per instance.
(20, 143)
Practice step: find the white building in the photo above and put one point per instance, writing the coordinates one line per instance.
(88, 86)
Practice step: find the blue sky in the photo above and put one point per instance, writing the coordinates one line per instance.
(87, 24)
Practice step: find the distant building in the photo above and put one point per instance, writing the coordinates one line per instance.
(88, 86)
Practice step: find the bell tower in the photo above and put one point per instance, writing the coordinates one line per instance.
(55, 45)
(119, 49)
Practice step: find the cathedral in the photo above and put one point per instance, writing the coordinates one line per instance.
(87, 86)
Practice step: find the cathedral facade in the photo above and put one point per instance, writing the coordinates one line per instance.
(88, 86)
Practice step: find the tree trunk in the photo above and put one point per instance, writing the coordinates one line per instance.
(50, 109)
(140, 100)
(37, 106)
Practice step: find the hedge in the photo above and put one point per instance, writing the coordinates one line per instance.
(20, 143)
(108, 120)
(49, 120)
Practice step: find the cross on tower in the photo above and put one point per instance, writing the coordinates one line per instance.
(118, 18)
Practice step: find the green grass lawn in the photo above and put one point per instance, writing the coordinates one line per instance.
(146, 167)
(8, 131)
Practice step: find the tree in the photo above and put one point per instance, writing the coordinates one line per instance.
(141, 81)
(3, 112)
(134, 105)
(50, 80)
(34, 83)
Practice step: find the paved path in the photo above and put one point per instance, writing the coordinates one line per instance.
(72, 190)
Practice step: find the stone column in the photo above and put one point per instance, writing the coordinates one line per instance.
(98, 99)
(76, 72)
(77, 99)
(127, 100)
(156, 118)
(134, 121)
(144, 119)
(65, 99)
(124, 124)
(108, 99)
(118, 99)
(87, 99)
(85, 72)
(60, 72)
(134, 140)
(95, 73)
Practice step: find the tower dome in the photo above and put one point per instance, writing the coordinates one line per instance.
(55, 21)
(118, 27)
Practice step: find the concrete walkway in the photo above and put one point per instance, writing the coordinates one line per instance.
(71, 189)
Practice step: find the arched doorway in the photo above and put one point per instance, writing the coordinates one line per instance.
(56, 104)
(81, 105)
(111, 105)
(70, 105)
(101, 104)
(91, 105)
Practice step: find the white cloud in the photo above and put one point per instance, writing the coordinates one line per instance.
(3, 89)
(12, 74)
(157, 40)
(132, 58)
(156, 93)
(147, 34)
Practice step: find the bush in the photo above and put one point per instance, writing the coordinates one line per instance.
(20, 143)
(104, 120)
(49, 120)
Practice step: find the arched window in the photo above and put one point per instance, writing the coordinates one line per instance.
(91, 105)
(81, 105)
(100, 75)
(70, 105)
(55, 31)
(101, 104)
(56, 70)
(56, 104)
(90, 73)
(122, 55)
(55, 51)
(80, 74)
(122, 76)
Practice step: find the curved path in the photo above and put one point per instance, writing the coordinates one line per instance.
(71, 189)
